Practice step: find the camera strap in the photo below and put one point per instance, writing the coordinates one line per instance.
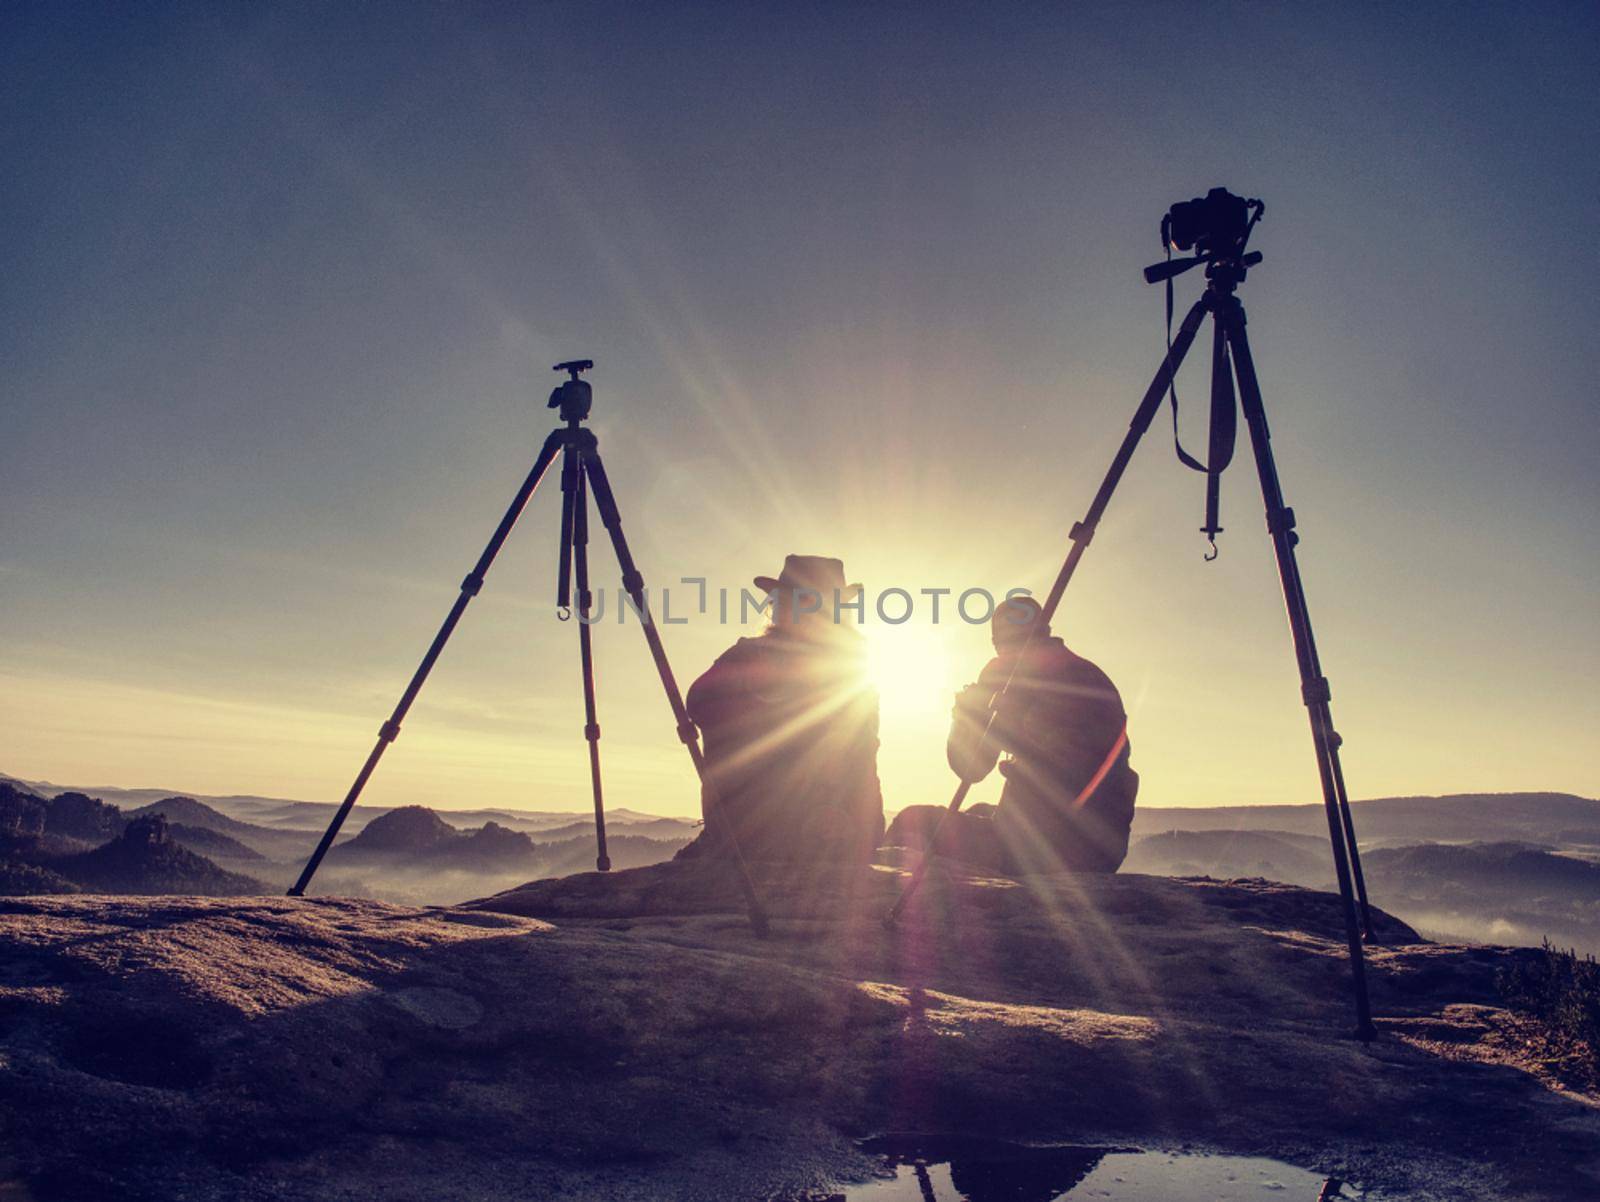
(1188, 460)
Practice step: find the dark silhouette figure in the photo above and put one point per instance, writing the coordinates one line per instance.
(1069, 792)
(1042, 1178)
(791, 729)
(984, 1170)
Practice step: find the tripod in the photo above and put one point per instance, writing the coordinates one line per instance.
(1225, 272)
(581, 472)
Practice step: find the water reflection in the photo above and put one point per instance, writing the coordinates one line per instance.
(982, 1170)
(963, 1169)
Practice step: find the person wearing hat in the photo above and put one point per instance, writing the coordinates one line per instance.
(1070, 789)
(790, 728)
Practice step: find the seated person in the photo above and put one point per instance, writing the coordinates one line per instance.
(790, 729)
(1069, 791)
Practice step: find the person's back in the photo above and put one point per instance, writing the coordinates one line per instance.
(1070, 788)
(790, 733)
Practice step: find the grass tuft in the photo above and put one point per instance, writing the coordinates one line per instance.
(1561, 992)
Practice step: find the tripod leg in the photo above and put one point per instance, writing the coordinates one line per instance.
(570, 472)
(1080, 536)
(1350, 837)
(1083, 532)
(1313, 685)
(1334, 742)
(591, 729)
(633, 584)
(1331, 736)
(469, 589)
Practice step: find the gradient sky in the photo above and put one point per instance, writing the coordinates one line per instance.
(282, 285)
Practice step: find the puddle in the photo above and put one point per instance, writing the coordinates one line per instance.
(945, 1169)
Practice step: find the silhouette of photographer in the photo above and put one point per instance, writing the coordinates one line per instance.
(1069, 794)
(790, 728)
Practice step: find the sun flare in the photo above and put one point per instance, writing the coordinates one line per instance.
(910, 667)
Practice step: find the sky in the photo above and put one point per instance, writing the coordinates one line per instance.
(283, 285)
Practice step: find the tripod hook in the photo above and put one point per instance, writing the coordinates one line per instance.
(563, 613)
(1215, 550)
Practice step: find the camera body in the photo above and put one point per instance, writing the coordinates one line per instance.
(1212, 225)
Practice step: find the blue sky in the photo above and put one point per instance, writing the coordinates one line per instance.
(283, 284)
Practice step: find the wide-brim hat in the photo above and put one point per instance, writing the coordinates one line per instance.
(819, 574)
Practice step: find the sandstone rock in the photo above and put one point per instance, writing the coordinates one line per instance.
(626, 1036)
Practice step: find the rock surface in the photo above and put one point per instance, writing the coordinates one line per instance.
(626, 1036)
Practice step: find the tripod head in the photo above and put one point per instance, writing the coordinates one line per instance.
(574, 397)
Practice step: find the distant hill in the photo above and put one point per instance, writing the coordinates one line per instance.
(1493, 892)
(626, 851)
(192, 813)
(1456, 817)
(211, 832)
(137, 799)
(1497, 892)
(172, 844)
(651, 828)
(415, 838)
(145, 859)
(70, 820)
(408, 831)
(1474, 868)
(409, 852)
(412, 854)
(1275, 855)
(78, 816)
(212, 843)
(312, 817)
(1483, 871)
(491, 846)
(73, 822)
(22, 815)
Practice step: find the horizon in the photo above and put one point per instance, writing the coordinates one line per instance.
(280, 320)
(588, 812)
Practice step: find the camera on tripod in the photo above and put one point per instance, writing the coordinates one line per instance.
(1212, 225)
(1215, 227)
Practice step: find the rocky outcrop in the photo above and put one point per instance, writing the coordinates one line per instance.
(22, 816)
(145, 859)
(405, 832)
(625, 1035)
(74, 817)
(79, 816)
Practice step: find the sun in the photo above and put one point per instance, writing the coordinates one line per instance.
(916, 670)
(910, 665)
